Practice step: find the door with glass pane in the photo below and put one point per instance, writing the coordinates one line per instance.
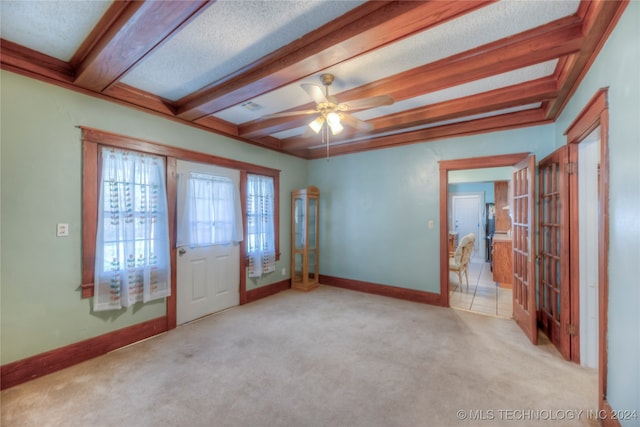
(553, 246)
(523, 212)
(208, 275)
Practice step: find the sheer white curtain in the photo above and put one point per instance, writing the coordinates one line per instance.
(132, 243)
(260, 225)
(209, 211)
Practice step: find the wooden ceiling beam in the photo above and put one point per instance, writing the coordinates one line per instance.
(472, 127)
(548, 42)
(367, 27)
(512, 96)
(599, 19)
(126, 35)
(544, 43)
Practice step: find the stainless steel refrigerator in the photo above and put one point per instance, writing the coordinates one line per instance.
(490, 228)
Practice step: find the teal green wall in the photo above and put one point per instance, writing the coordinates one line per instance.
(376, 205)
(41, 186)
(618, 68)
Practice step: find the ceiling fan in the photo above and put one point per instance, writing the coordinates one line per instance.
(335, 113)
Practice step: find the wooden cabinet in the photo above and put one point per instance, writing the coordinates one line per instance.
(502, 264)
(501, 194)
(305, 254)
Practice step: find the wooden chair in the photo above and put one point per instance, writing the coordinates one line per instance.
(460, 260)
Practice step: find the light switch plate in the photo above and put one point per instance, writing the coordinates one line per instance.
(430, 224)
(62, 230)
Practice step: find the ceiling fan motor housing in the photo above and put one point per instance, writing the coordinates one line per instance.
(327, 79)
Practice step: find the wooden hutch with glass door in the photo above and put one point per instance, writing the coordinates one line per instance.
(305, 254)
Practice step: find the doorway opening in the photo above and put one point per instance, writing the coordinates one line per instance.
(472, 207)
(589, 224)
(453, 173)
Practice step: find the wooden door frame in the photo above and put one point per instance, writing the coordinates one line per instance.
(594, 114)
(460, 164)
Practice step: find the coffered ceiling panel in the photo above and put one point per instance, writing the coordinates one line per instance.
(55, 28)
(370, 75)
(227, 36)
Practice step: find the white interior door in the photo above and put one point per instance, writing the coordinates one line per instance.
(467, 218)
(208, 278)
(588, 160)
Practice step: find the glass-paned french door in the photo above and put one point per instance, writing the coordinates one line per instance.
(524, 294)
(553, 290)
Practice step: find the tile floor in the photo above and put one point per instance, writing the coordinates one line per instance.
(484, 295)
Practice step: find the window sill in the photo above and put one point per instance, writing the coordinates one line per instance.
(87, 290)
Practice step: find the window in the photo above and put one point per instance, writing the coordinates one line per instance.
(210, 210)
(261, 240)
(132, 261)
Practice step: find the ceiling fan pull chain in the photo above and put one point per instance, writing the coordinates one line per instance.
(326, 137)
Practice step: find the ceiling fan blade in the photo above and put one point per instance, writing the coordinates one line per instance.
(315, 92)
(289, 113)
(358, 124)
(364, 103)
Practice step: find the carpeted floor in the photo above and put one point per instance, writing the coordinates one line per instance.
(330, 357)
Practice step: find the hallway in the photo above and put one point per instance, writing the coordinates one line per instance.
(483, 295)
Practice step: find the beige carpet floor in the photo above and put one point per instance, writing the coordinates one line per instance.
(330, 357)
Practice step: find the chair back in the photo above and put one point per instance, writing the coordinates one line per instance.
(464, 250)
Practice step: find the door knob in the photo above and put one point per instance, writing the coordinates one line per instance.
(182, 251)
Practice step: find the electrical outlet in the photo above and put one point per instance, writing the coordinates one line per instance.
(284, 271)
(62, 230)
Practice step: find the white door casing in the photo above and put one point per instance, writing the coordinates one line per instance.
(589, 224)
(208, 278)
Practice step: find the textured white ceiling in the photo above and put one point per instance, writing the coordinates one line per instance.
(55, 28)
(227, 36)
(485, 25)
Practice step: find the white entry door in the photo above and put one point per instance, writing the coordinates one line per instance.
(467, 218)
(208, 278)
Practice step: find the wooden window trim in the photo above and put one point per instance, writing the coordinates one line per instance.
(93, 139)
(276, 208)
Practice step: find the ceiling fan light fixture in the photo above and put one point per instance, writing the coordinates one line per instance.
(316, 125)
(333, 120)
